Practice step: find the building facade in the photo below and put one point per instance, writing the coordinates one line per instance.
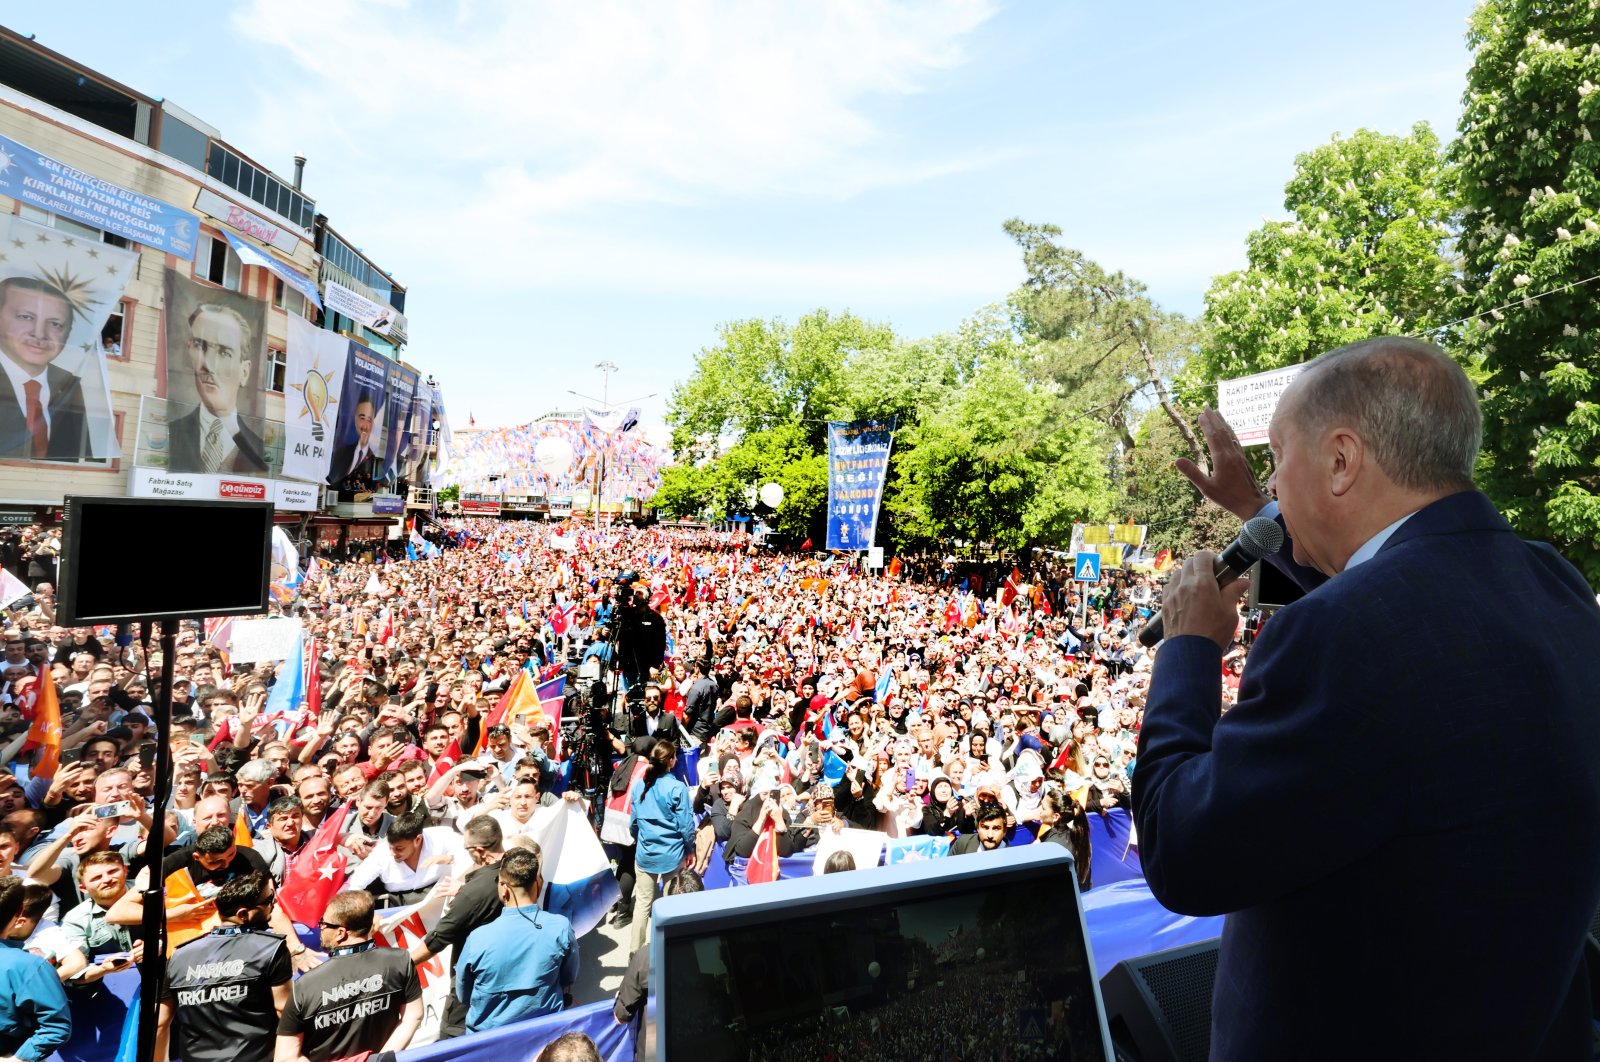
(179, 320)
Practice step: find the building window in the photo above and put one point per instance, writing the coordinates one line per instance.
(77, 228)
(215, 261)
(117, 334)
(286, 298)
(259, 185)
(277, 370)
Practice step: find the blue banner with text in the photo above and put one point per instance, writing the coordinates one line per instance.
(858, 463)
(49, 184)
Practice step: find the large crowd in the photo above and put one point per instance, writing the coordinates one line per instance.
(940, 696)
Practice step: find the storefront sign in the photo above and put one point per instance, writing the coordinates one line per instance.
(236, 216)
(159, 483)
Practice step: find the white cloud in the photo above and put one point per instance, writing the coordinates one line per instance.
(572, 106)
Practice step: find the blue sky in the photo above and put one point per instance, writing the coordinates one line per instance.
(558, 184)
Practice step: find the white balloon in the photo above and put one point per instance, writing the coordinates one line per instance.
(772, 495)
(553, 454)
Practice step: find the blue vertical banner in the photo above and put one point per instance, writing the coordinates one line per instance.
(402, 388)
(858, 463)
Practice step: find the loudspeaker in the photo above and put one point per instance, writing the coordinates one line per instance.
(1159, 1005)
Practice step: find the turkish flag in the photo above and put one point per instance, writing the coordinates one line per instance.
(1009, 594)
(763, 865)
(447, 759)
(317, 873)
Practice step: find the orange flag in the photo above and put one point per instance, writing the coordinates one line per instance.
(45, 733)
(497, 714)
(241, 832)
(180, 890)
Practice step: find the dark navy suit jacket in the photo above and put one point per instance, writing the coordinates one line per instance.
(1401, 817)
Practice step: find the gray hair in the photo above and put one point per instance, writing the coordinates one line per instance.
(1411, 404)
(256, 771)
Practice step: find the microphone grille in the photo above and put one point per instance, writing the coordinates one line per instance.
(1261, 536)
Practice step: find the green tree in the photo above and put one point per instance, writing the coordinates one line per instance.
(449, 494)
(1530, 179)
(1105, 348)
(686, 491)
(761, 374)
(1366, 251)
(1162, 497)
(996, 464)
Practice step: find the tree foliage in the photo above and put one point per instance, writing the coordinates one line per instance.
(1530, 179)
(1365, 252)
(1096, 336)
(996, 464)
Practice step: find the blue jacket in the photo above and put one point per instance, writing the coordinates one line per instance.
(34, 1019)
(663, 824)
(1350, 816)
(516, 967)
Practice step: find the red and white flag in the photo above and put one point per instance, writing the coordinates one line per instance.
(317, 873)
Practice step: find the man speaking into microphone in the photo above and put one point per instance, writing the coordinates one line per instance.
(1383, 900)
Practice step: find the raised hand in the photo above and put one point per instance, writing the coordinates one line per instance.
(1230, 483)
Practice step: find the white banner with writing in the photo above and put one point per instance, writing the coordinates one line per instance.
(1247, 404)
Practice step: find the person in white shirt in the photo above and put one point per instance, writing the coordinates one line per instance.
(411, 859)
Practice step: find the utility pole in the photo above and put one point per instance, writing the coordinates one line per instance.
(606, 368)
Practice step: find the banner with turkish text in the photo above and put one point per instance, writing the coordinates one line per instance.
(858, 463)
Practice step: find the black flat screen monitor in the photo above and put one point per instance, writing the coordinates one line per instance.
(128, 559)
(971, 956)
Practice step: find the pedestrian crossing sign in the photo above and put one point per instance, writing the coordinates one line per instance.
(1088, 568)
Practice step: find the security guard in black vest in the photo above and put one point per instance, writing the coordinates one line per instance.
(231, 983)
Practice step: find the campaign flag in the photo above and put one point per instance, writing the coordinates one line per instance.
(886, 686)
(183, 928)
(833, 767)
(497, 714)
(11, 589)
(241, 831)
(858, 463)
(314, 366)
(578, 879)
(763, 864)
(894, 568)
(405, 928)
(289, 692)
(616, 823)
(533, 703)
(916, 849)
(318, 874)
(45, 732)
(373, 587)
(1008, 593)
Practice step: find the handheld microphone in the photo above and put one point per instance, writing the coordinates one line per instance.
(1258, 538)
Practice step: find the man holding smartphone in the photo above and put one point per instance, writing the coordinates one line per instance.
(103, 877)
